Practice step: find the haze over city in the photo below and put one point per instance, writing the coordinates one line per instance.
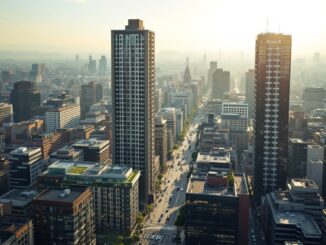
(212, 26)
(162, 122)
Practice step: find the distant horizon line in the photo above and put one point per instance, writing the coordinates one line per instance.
(85, 54)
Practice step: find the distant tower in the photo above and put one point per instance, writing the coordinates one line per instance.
(37, 72)
(187, 76)
(204, 60)
(250, 90)
(91, 65)
(220, 83)
(102, 66)
(210, 72)
(133, 75)
(271, 113)
(90, 94)
(24, 98)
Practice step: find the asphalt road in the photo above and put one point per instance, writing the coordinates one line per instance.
(159, 227)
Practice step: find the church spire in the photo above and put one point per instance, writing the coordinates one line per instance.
(187, 76)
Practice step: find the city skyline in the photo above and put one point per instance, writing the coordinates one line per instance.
(82, 26)
(150, 122)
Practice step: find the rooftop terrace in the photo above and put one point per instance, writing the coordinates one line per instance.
(302, 221)
(199, 184)
(111, 173)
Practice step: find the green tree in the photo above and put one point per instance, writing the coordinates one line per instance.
(175, 147)
(148, 209)
(230, 177)
(140, 222)
(135, 238)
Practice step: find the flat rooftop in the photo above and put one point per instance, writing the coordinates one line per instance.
(302, 221)
(306, 185)
(62, 108)
(109, 173)
(65, 150)
(18, 197)
(25, 151)
(66, 195)
(219, 156)
(198, 184)
(91, 143)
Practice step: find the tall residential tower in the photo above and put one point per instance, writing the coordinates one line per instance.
(272, 84)
(133, 69)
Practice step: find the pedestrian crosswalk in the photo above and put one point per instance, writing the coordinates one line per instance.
(162, 227)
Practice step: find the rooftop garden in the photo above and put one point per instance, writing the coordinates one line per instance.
(77, 170)
(132, 176)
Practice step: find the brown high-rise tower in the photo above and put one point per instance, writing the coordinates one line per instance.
(272, 85)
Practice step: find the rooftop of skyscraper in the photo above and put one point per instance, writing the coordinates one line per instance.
(303, 185)
(300, 193)
(302, 221)
(107, 173)
(216, 183)
(135, 24)
(220, 155)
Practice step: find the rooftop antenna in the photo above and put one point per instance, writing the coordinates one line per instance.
(267, 25)
(279, 28)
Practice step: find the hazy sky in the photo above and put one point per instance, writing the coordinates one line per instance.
(77, 26)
